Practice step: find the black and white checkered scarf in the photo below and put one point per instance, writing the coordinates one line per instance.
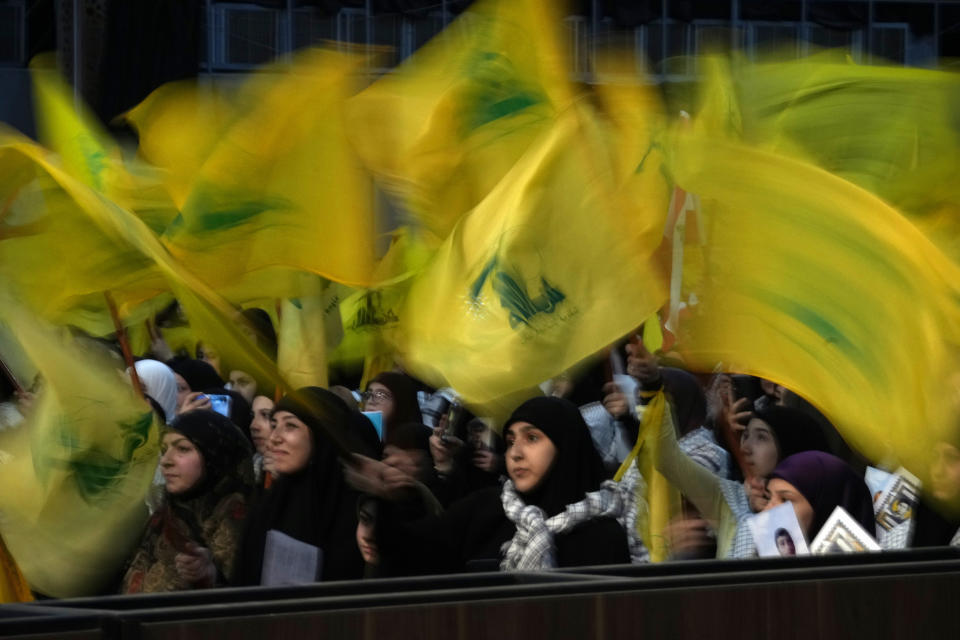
(532, 547)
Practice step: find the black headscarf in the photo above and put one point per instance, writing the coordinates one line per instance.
(197, 373)
(241, 413)
(313, 505)
(794, 430)
(688, 398)
(577, 468)
(406, 408)
(827, 482)
(410, 435)
(264, 335)
(227, 466)
(223, 447)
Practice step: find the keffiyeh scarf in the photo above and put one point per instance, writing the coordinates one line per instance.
(532, 547)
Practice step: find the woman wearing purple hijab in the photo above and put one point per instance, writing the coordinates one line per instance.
(817, 483)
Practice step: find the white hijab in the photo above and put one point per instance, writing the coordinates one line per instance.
(158, 383)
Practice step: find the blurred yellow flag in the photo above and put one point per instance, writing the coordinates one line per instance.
(543, 273)
(891, 130)
(131, 244)
(179, 125)
(53, 256)
(661, 499)
(443, 128)
(88, 153)
(78, 469)
(281, 190)
(819, 285)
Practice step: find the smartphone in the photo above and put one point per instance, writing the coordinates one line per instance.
(745, 386)
(453, 417)
(480, 434)
(376, 417)
(220, 403)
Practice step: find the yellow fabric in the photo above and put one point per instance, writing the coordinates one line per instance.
(88, 153)
(78, 469)
(819, 285)
(442, 129)
(59, 263)
(652, 334)
(84, 149)
(369, 316)
(890, 130)
(212, 319)
(179, 125)
(663, 499)
(543, 273)
(281, 188)
(302, 336)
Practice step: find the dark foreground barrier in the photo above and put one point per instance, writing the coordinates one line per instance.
(914, 594)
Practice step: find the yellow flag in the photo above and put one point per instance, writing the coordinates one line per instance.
(179, 125)
(281, 191)
(890, 130)
(662, 499)
(305, 323)
(88, 153)
(78, 470)
(369, 316)
(817, 284)
(212, 319)
(543, 273)
(57, 261)
(443, 128)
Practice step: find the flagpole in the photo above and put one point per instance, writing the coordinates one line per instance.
(124, 343)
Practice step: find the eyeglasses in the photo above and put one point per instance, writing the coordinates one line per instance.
(377, 394)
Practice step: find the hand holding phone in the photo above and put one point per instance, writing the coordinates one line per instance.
(221, 403)
(193, 401)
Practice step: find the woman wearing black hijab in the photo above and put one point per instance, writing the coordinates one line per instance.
(193, 376)
(310, 501)
(394, 394)
(528, 524)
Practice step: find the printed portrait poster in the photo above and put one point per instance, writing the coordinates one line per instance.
(842, 534)
(777, 532)
(877, 480)
(899, 499)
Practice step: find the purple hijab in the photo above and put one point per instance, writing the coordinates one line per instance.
(827, 482)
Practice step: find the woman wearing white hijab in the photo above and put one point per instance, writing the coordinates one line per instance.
(160, 384)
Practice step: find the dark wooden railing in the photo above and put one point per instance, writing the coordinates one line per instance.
(913, 594)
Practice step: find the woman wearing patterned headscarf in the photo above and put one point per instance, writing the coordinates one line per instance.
(191, 540)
